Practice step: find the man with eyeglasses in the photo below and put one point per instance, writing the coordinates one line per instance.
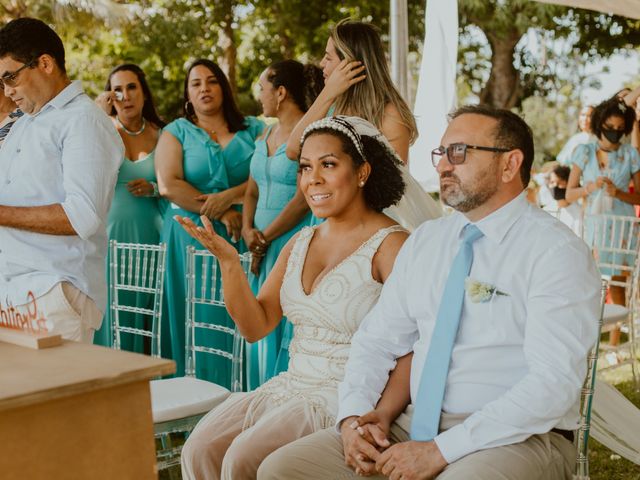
(59, 166)
(498, 303)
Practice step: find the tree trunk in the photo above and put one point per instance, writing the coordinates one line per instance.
(228, 58)
(503, 89)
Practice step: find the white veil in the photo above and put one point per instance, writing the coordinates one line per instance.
(416, 206)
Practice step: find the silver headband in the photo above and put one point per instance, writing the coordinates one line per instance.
(339, 123)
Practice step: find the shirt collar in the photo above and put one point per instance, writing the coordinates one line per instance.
(65, 96)
(496, 225)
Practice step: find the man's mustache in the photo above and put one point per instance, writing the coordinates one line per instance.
(444, 175)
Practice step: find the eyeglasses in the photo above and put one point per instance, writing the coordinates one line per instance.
(9, 78)
(457, 152)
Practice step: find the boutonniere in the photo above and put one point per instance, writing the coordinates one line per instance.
(480, 292)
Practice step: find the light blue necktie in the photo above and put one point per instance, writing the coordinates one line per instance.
(428, 404)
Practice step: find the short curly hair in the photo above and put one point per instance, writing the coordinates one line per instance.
(385, 185)
(25, 39)
(613, 107)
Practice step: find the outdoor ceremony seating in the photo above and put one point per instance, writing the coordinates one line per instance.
(614, 240)
(586, 399)
(138, 269)
(178, 403)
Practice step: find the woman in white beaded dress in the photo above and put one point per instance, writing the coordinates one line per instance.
(325, 281)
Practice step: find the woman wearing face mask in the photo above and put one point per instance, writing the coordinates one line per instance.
(606, 168)
(134, 215)
(607, 164)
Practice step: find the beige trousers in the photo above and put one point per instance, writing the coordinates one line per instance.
(69, 312)
(231, 441)
(320, 456)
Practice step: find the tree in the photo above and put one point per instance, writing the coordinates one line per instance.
(516, 74)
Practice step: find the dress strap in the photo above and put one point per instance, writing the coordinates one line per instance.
(377, 238)
(298, 251)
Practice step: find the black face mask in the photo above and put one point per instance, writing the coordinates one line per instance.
(558, 193)
(612, 135)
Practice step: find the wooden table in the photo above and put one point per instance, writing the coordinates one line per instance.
(77, 411)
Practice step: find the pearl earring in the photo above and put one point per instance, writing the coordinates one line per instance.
(361, 184)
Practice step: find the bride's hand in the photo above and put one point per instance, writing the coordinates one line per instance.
(343, 77)
(209, 239)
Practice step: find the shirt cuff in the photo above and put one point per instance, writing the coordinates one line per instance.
(82, 219)
(455, 443)
(351, 406)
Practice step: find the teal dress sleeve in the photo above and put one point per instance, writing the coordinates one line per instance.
(634, 160)
(176, 128)
(238, 153)
(580, 156)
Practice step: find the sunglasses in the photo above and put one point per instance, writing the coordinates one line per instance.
(9, 79)
(457, 152)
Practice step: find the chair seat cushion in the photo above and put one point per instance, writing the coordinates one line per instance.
(181, 397)
(614, 313)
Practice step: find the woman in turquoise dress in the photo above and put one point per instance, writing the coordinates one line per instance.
(202, 164)
(606, 168)
(274, 207)
(134, 215)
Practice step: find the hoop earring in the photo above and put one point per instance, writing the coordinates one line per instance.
(186, 107)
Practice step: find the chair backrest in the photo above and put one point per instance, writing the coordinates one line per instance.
(204, 287)
(586, 398)
(136, 284)
(614, 241)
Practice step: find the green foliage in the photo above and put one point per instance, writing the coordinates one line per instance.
(568, 37)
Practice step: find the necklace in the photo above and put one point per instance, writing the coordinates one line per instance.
(210, 131)
(129, 132)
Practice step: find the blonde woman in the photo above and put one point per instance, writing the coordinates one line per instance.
(357, 82)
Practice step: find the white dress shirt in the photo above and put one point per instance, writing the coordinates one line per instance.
(68, 153)
(519, 359)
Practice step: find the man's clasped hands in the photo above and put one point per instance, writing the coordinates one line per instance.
(368, 450)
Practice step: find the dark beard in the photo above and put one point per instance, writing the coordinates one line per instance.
(469, 200)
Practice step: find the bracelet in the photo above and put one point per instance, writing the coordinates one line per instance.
(156, 192)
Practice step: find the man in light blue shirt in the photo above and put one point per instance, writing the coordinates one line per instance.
(59, 167)
(495, 396)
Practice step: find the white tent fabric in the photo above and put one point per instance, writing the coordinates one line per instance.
(615, 422)
(436, 95)
(628, 8)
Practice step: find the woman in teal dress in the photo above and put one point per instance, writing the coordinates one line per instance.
(202, 164)
(274, 207)
(134, 215)
(606, 168)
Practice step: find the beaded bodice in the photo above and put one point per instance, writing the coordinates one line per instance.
(324, 321)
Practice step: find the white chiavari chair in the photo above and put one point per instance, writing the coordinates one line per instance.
(136, 284)
(586, 399)
(614, 241)
(179, 403)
